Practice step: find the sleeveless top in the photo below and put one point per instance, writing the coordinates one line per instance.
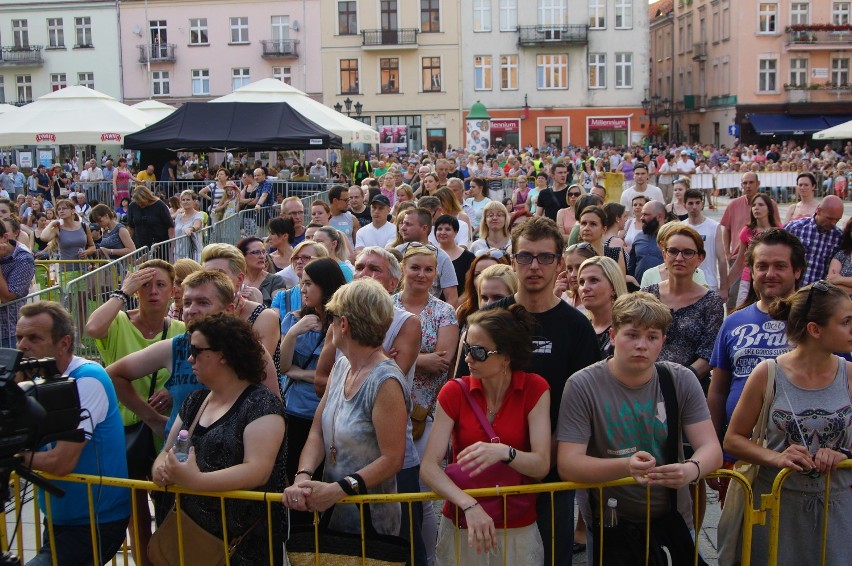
(122, 180)
(182, 381)
(613, 252)
(111, 240)
(71, 243)
(627, 169)
(276, 355)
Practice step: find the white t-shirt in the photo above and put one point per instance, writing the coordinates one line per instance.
(369, 235)
(707, 230)
(652, 192)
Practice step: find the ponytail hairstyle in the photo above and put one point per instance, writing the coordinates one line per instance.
(815, 303)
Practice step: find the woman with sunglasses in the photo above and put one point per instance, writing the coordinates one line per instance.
(257, 276)
(290, 299)
(493, 230)
(237, 440)
(565, 217)
(469, 301)
(809, 430)
(517, 405)
(593, 225)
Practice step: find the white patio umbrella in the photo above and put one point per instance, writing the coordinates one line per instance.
(75, 115)
(273, 90)
(4, 108)
(154, 108)
(838, 132)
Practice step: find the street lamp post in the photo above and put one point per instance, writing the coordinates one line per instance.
(655, 108)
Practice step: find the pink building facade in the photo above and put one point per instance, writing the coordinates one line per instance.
(187, 50)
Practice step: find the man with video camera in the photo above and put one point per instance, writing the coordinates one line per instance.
(45, 330)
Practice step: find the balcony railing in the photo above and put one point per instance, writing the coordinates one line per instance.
(577, 34)
(811, 40)
(389, 37)
(22, 102)
(157, 53)
(694, 102)
(11, 56)
(818, 93)
(279, 48)
(699, 51)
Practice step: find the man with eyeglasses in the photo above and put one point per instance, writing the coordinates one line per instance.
(564, 343)
(292, 208)
(340, 217)
(777, 260)
(414, 229)
(641, 187)
(820, 236)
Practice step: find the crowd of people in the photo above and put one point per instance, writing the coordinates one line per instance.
(549, 331)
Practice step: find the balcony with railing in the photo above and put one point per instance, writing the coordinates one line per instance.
(25, 56)
(693, 102)
(575, 34)
(389, 38)
(699, 51)
(279, 48)
(819, 37)
(157, 53)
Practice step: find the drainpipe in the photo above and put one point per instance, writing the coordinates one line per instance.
(120, 54)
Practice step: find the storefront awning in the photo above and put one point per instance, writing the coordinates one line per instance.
(783, 124)
(836, 120)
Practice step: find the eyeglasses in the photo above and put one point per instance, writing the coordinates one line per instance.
(821, 286)
(256, 252)
(687, 254)
(526, 258)
(478, 353)
(296, 258)
(195, 351)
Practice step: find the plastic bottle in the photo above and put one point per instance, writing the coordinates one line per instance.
(182, 445)
(611, 513)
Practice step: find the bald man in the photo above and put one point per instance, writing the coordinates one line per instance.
(820, 236)
(645, 253)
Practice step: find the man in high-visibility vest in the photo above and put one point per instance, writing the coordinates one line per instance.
(361, 170)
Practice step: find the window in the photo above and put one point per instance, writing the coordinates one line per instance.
(681, 37)
(481, 15)
(21, 35)
(389, 75)
(239, 30)
(25, 87)
(283, 74)
(240, 77)
(623, 14)
(55, 33)
(58, 81)
(624, 70)
(551, 13)
(430, 16)
(597, 70)
(798, 72)
(726, 22)
(840, 72)
(551, 72)
(160, 83)
(198, 31)
(767, 75)
(83, 29)
(349, 76)
(800, 13)
(347, 19)
(86, 80)
(839, 12)
(508, 15)
(689, 35)
(509, 72)
(2, 90)
(767, 17)
(482, 72)
(200, 82)
(431, 74)
(597, 14)
(389, 14)
(280, 30)
(714, 25)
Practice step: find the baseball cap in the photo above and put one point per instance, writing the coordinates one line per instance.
(684, 152)
(381, 200)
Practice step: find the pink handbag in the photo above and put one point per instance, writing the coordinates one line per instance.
(496, 475)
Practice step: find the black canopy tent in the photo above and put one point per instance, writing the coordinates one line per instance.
(198, 126)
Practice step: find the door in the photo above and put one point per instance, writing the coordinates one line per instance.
(281, 33)
(436, 139)
(390, 22)
(159, 40)
(553, 134)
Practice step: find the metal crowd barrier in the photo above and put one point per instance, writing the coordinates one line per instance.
(185, 246)
(22, 548)
(9, 312)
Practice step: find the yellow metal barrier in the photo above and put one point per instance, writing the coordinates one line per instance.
(270, 499)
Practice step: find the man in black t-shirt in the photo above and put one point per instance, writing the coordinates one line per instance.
(553, 199)
(565, 343)
(357, 207)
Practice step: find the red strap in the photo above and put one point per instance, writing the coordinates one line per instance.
(486, 426)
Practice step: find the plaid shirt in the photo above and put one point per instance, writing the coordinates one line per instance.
(820, 246)
(18, 269)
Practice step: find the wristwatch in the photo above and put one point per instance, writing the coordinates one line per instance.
(349, 485)
(512, 454)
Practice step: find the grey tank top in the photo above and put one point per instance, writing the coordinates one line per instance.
(71, 243)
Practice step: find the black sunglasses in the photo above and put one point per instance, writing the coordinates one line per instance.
(573, 194)
(194, 350)
(478, 353)
(821, 286)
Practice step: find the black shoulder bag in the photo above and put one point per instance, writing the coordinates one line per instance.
(624, 544)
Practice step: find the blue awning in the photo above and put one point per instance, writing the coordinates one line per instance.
(783, 124)
(836, 120)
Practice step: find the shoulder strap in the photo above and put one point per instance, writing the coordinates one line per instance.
(673, 438)
(198, 414)
(758, 435)
(486, 426)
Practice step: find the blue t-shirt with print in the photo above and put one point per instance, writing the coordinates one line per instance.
(182, 382)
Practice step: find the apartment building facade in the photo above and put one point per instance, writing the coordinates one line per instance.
(194, 50)
(45, 46)
(658, 104)
(761, 71)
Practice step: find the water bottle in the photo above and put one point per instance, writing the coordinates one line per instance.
(182, 445)
(611, 513)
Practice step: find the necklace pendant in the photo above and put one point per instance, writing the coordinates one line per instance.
(332, 455)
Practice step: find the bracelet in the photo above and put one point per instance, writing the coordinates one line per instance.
(120, 296)
(471, 506)
(697, 465)
(310, 473)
